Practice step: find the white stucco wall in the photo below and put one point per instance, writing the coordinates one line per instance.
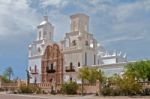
(74, 58)
(67, 76)
(32, 63)
(90, 57)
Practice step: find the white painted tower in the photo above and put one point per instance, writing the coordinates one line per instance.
(79, 46)
(45, 32)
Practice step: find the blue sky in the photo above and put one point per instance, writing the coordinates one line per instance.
(122, 25)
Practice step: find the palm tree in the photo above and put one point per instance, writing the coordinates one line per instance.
(9, 72)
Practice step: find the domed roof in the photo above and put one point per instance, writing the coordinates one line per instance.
(45, 21)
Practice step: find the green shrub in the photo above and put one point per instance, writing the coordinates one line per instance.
(6, 80)
(29, 89)
(115, 92)
(146, 92)
(109, 91)
(106, 91)
(69, 88)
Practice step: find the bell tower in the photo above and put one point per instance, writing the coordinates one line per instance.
(45, 30)
(79, 46)
(79, 22)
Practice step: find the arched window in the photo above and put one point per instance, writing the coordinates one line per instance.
(52, 66)
(74, 42)
(51, 80)
(35, 68)
(71, 65)
(39, 49)
(86, 43)
(78, 64)
(70, 78)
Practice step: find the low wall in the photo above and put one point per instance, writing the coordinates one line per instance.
(145, 84)
(10, 86)
(90, 89)
(44, 86)
(87, 88)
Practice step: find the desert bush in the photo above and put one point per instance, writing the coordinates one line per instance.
(29, 89)
(69, 88)
(109, 91)
(119, 92)
(146, 92)
(106, 91)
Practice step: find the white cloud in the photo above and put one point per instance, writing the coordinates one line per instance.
(125, 11)
(50, 2)
(119, 18)
(56, 3)
(122, 38)
(16, 17)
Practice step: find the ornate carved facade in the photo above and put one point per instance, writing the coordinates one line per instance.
(52, 65)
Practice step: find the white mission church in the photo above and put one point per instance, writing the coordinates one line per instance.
(56, 62)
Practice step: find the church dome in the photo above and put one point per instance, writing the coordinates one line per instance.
(45, 21)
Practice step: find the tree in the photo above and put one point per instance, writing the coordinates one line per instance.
(83, 75)
(5, 79)
(139, 70)
(91, 75)
(100, 76)
(69, 88)
(148, 69)
(8, 73)
(126, 84)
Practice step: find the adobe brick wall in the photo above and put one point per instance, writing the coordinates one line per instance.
(87, 88)
(90, 89)
(10, 86)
